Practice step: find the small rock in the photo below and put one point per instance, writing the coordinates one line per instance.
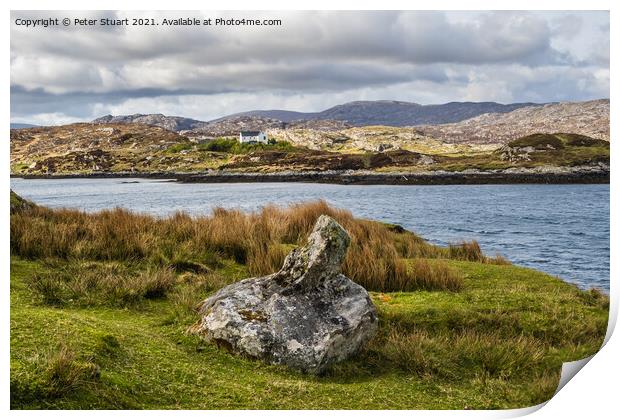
(306, 316)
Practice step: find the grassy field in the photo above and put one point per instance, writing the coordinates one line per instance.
(101, 304)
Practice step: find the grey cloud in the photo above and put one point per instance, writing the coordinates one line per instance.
(342, 55)
(413, 37)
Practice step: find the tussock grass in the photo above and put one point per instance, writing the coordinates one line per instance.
(259, 240)
(462, 355)
(429, 274)
(64, 373)
(60, 372)
(471, 251)
(113, 284)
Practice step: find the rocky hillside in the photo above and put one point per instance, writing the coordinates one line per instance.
(354, 124)
(138, 148)
(87, 146)
(157, 120)
(358, 113)
(371, 138)
(392, 113)
(232, 126)
(478, 142)
(586, 118)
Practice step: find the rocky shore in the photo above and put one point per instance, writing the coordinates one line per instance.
(596, 174)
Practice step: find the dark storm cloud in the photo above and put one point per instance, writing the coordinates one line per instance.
(80, 71)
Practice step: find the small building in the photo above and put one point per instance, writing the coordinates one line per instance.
(252, 137)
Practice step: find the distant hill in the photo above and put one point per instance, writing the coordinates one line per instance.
(590, 118)
(472, 122)
(171, 123)
(17, 126)
(358, 113)
(276, 114)
(391, 113)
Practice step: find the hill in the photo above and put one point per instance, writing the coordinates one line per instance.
(17, 126)
(589, 118)
(158, 120)
(392, 113)
(483, 123)
(86, 146)
(358, 113)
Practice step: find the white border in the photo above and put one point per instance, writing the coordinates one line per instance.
(591, 394)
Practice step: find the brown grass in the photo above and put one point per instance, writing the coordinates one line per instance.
(260, 240)
(471, 251)
(434, 275)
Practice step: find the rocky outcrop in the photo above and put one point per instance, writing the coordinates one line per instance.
(171, 123)
(516, 154)
(306, 316)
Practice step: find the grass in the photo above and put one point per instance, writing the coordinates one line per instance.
(90, 283)
(498, 343)
(464, 331)
(540, 141)
(258, 240)
(558, 141)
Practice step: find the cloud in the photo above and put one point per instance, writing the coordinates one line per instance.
(312, 61)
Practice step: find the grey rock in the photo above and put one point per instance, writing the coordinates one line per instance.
(306, 316)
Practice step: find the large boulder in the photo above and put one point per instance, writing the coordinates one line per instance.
(306, 316)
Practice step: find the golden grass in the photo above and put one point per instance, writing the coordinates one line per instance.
(260, 240)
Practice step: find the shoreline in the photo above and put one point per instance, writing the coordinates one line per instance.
(577, 175)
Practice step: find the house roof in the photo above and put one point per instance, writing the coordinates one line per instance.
(250, 133)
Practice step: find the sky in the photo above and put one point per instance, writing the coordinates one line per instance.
(312, 61)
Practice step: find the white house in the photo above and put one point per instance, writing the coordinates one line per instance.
(252, 137)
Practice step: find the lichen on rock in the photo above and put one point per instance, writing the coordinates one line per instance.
(306, 316)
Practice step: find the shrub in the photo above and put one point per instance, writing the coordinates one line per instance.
(176, 148)
(219, 145)
(579, 140)
(228, 145)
